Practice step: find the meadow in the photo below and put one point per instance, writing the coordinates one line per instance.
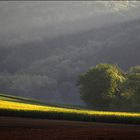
(24, 107)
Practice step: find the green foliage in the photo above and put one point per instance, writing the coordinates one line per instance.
(135, 69)
(100, 85)
(106, 87)
(131, 92)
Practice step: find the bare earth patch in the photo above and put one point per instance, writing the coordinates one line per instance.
(12, 128)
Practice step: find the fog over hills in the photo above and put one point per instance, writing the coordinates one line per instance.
(47, 67)
(31, 21)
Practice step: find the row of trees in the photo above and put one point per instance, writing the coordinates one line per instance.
(107, 87)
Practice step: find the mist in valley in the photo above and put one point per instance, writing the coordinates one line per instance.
(45, 46)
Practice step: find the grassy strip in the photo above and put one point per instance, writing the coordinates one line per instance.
(8, 97)
(20, 99)
(9, 108)
(70, 116)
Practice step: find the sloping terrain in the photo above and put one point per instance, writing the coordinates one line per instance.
(20, 119)
(22, 107)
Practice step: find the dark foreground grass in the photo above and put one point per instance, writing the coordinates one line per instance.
(71, 116)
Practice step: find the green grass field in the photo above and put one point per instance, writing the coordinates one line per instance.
(24, 107)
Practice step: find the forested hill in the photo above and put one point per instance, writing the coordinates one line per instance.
(48, 69)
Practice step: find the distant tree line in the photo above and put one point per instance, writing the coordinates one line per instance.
(107, 87)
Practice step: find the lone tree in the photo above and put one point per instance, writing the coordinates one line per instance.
(99, 86)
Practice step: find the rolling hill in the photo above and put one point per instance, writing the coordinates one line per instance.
(23, 107)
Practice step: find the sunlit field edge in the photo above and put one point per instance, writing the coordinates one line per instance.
(20, 109)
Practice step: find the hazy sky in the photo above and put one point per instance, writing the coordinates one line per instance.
(29, 21)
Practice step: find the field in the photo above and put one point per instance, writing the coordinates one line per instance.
(13, 128)
(23, 118)
(24, 107)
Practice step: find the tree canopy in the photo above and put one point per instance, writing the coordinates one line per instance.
(131, 93)
(107, 87)
(100, 85)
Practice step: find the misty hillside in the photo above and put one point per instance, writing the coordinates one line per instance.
(49, 69)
